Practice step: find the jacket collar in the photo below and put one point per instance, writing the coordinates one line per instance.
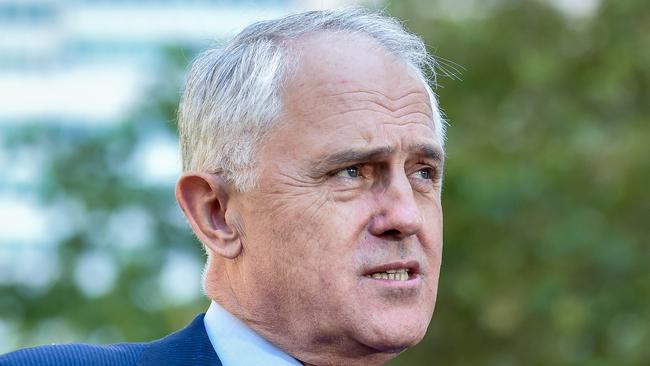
(188, 346)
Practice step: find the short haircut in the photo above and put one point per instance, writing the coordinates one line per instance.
(233, 94)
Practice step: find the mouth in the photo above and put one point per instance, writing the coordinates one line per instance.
(399, 271)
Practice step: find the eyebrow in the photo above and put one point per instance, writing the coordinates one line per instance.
(352, 156)
(428, 151)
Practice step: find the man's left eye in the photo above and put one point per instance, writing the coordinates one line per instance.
(425, 173)
(349, 172)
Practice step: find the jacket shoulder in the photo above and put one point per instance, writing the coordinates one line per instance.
(188, 346)
(123, 354)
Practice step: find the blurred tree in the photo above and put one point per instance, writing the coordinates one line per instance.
(546, 240)
(124, 231)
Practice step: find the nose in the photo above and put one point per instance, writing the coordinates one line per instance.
(398, 215)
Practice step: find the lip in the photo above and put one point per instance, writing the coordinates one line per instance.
(412, 266)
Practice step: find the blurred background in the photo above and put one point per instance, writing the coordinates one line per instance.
(546, 258)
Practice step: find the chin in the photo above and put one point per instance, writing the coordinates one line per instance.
(395, 344)
(395, 335)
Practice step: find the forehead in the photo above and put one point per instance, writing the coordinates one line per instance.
(348, 90)
(329, 63)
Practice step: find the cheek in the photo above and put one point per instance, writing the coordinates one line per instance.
(290, 238)
(432, 216)
(315, 223)
(316, 242)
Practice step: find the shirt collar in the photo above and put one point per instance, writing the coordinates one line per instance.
(237, 345)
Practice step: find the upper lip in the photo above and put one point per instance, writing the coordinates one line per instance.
(412, 266)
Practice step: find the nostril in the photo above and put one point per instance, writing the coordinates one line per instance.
(391, 232)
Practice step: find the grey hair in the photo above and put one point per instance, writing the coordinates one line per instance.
(233, 94)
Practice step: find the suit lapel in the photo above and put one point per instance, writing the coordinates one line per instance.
(188, 346)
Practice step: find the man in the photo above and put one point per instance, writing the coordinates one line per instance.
(313, 154)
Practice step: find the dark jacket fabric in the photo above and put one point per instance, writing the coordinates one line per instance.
(188, 346)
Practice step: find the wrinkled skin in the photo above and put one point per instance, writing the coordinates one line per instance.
(349, 180)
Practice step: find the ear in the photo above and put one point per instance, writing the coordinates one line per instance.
(204, 199)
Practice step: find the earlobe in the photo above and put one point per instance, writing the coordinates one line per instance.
(205, 199)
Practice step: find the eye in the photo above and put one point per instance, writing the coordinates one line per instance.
(349, 172)
(425, 173)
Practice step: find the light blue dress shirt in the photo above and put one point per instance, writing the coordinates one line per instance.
(238, 345)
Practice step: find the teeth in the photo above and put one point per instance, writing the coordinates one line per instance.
(392, 274)
(397, 270)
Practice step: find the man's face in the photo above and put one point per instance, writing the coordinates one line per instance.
(342, 238)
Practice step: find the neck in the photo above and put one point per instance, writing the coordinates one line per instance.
(299, 342)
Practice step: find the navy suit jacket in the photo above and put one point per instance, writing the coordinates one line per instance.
(188, 346)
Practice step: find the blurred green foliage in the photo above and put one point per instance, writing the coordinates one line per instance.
(546, 226)
(89, 175)
(546, 235)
